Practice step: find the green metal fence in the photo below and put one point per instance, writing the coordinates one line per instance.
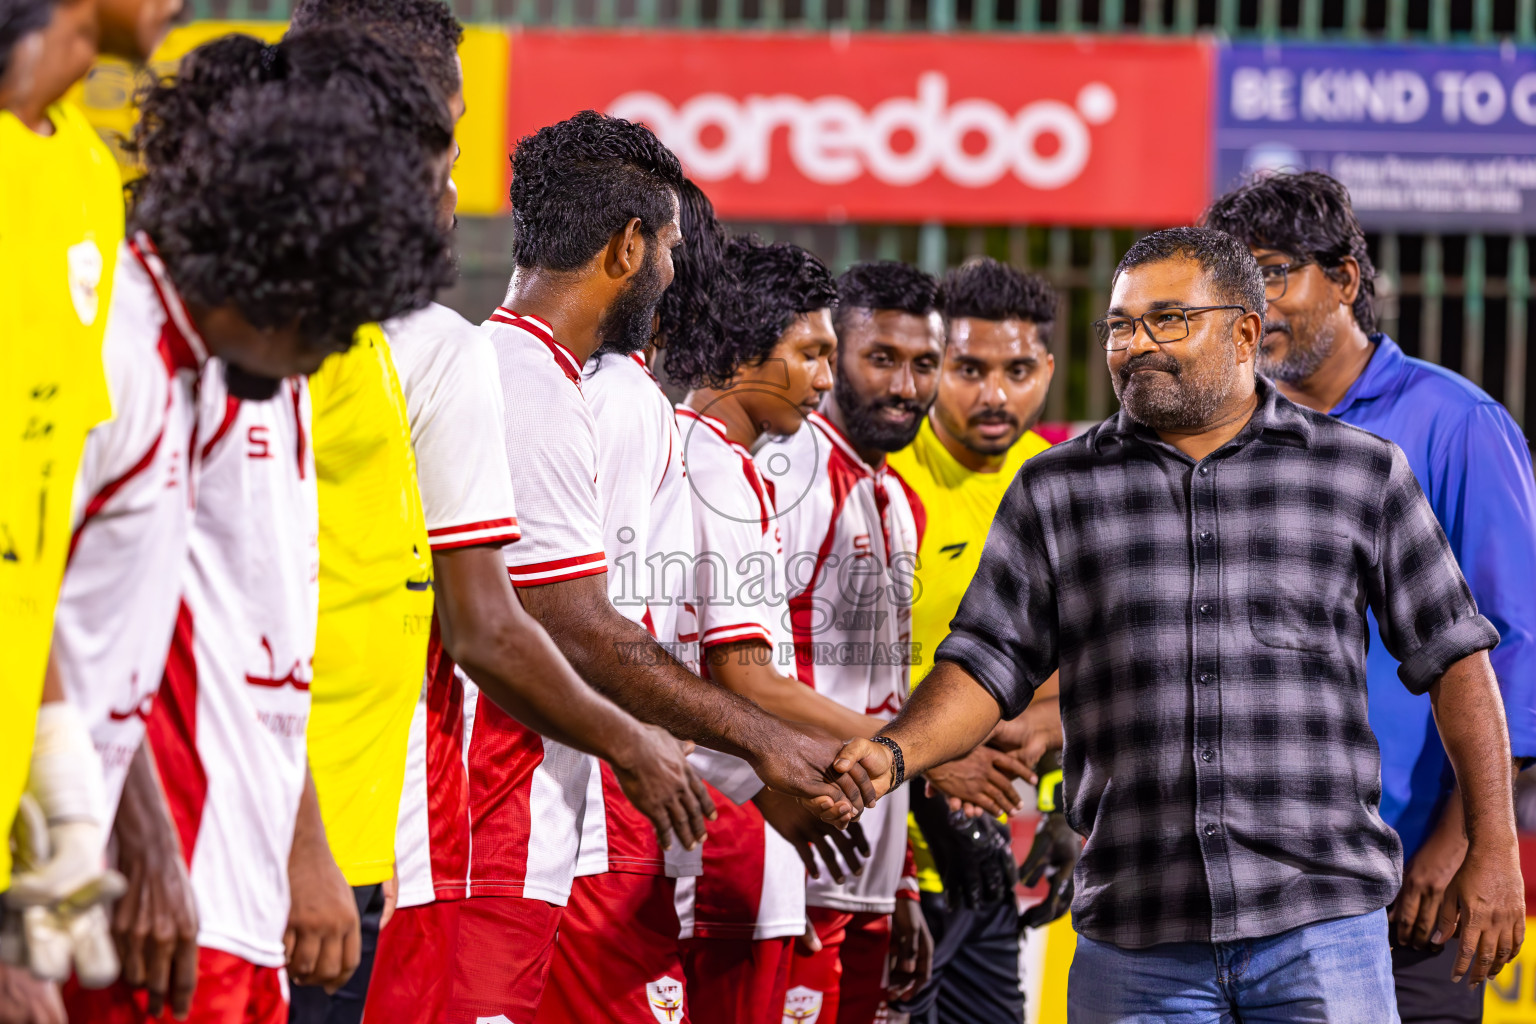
(1459, 300)
(1456, 300)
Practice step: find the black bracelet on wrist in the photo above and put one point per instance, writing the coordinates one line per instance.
(898, 763)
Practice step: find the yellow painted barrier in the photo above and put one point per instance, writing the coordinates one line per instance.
(481, 174)
(1511, 997)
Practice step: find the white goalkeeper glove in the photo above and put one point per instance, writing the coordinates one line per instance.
(60, 884)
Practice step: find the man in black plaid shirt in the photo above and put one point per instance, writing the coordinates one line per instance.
(1198, 567)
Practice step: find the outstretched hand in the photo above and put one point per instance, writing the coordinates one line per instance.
(869, 764)
(796, 763)
(983, 778)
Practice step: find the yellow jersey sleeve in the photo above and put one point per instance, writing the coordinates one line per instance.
(61, 225)
(375, 603)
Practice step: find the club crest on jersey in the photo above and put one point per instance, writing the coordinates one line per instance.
(802, 1005)
(85, 266)
(665, 995)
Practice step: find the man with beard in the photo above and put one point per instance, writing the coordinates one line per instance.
(595, 206)
(850, 530)
(1322, 350)
(997, 370)
(1198, 568)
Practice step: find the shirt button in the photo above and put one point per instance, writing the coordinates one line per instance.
(1210, 830)
(1207, 678)
(1207, 755)
(1205, 536)
(1205, 470)
(1206, 609)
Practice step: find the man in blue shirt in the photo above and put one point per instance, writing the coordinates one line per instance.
(1474, 465)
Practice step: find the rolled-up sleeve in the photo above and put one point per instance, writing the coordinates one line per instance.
(1005, 632)
(1428, 618)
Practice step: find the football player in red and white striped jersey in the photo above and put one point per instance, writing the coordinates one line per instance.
(761, 374)
(482, 642)
(851, 529)
(595, 204)
(491, 670)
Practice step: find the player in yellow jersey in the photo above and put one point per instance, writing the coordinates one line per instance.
(997, 370)
(61, 222)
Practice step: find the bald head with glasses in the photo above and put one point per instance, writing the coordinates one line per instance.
(1185, 319)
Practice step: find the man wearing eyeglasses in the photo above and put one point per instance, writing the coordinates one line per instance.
(1321, 348)
(1198, 568)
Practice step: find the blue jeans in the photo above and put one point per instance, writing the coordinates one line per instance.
(1335, 971)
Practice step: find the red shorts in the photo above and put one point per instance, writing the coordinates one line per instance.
(501, 959)
(229, 991)
(737, 981)
(411, 973)
(618, 958)
(845, 982)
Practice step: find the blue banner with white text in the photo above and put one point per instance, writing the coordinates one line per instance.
(1425, 138)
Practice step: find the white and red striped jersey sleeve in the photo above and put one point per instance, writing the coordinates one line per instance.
(551, 450)
(454, 402)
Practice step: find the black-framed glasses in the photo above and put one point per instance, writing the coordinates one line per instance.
(1277, 277)
(1164, 326)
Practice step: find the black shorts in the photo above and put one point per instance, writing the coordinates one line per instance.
(1425, 992)
(975, 967)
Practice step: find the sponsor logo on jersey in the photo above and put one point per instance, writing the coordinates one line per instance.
(500, 1018)
(802, 1005)
(140, 707)
(274, 681)
(85, 266)
(954, 550)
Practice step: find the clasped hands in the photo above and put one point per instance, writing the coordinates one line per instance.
(980, 782)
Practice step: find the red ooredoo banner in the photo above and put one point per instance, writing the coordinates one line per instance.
(898, 127)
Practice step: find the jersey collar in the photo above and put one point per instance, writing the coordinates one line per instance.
(539, 328)
(717, 426)
(840, 442)
(185, 345)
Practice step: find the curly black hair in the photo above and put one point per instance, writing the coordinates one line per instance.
(764, 287)
(577, 183)
(19, 18)
(424, 30)
(295, 201)
(334, 61)
(688, 319)
(1228, 263)
(1307, 216)
(989, 290)
(886, 284)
